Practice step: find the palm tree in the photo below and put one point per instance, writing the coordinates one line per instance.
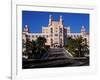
(38, 47)
(28, 47)
(41, 41)
(77, 46)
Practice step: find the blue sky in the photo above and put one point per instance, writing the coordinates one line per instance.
(35, 20)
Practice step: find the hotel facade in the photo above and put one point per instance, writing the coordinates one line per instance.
(55, 33)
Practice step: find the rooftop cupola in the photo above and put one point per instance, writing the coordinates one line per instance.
(83, 29)
(26, 29)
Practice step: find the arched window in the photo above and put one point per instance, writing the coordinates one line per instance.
(56, 34)
(51, 30)
(47, 36)
(33, 36)
(61, 41)
(51, 42)
(60, 30)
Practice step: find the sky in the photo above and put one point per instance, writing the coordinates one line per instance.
(35, 20)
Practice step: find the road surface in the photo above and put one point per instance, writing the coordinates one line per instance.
(57, 57)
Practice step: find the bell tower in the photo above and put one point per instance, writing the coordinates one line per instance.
(61, 20)
(50, 20)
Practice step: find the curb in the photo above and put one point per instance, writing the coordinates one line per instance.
(68, 52)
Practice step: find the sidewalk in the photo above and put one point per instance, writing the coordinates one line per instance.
(70, 55)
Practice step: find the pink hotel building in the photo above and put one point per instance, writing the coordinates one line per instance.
(55, 33)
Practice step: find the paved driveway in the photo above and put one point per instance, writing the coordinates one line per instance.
(57, 57)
